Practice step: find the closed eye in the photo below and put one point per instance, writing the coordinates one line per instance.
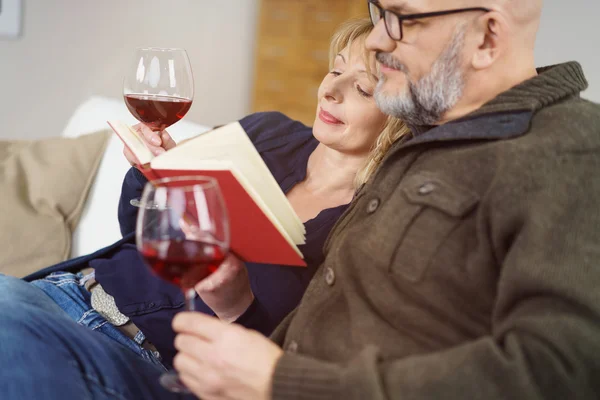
(362, 92)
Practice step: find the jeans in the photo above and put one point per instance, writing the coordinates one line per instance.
(45, 354)
(68, 291)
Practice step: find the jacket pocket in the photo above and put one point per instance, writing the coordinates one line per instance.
(399, 233)
(434, 208)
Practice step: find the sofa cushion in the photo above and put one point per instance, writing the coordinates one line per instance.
(43, 188)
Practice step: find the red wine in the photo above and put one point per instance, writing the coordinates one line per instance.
(183, 262)
(158, 112)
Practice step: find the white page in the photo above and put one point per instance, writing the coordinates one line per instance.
(232, 143)
(131, 140)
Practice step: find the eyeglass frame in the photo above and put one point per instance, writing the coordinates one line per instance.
(401, 18)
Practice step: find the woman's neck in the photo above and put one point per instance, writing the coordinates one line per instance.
(329, 171)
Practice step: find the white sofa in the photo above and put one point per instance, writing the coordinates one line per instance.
(99, 226)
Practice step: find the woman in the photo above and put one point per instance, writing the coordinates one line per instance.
(319, 169)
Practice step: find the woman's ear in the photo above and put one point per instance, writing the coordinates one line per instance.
(491, 31)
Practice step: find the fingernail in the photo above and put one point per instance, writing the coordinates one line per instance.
(155, 140)
(159, 151)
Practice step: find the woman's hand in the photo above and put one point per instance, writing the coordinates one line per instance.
(223, 361)
(227, 291)
(157, 142)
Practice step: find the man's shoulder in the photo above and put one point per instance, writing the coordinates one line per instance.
(563, 140)
(573, 107)
(562, 146)
(572, 125)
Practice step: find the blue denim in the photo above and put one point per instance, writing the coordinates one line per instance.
(68, 291)
(45, 354)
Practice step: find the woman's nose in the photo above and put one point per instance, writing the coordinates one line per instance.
(335, 90)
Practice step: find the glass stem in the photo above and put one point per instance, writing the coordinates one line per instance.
(190, 295)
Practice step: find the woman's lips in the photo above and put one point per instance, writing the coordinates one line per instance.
(328, 118)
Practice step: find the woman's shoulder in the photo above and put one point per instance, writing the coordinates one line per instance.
(263, 127)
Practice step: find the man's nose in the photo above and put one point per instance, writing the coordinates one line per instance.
(378, 40)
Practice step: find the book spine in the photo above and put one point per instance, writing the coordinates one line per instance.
(148, 172)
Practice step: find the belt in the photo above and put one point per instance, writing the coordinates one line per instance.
(105, 305)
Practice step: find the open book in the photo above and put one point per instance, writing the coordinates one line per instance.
(263, 225)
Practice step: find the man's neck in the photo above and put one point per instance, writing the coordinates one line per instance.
(484, 89)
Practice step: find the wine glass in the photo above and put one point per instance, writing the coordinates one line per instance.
(158, 88)
(182, 233)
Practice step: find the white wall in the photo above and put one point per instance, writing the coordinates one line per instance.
(72, 49)
(570, 30)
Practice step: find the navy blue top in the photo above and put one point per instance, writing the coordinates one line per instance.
(151, 303)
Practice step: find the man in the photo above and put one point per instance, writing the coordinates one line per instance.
(469, 267)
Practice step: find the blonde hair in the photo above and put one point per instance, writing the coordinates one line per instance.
(394, 128)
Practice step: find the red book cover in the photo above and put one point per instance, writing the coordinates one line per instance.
(253, 237)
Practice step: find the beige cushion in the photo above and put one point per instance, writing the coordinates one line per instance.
(43, 187)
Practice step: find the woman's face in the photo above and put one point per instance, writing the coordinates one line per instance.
(348, 119)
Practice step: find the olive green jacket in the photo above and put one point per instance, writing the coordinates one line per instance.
(468, 267)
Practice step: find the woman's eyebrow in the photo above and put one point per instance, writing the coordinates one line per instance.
(364, 71)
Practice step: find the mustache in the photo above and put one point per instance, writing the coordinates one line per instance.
(390, 61)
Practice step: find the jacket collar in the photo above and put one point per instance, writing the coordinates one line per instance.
(509, 114)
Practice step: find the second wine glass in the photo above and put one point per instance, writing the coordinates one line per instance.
(159, 86)
(182, 233)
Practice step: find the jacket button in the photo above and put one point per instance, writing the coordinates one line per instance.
(329, 277)
(372, 206)
(292, 347)
(426, 188)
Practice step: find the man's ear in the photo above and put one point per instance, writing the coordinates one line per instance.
(491, 31)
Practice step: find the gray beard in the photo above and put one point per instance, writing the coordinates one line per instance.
(425, 102)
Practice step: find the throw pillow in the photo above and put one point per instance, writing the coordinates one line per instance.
(43, 187)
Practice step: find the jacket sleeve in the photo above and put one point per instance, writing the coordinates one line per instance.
(544, 340)
(132, 188)
(278, 335)
(278, 290)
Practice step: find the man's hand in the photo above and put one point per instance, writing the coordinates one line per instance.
(217, 360)
(227, 291)
(157, 142)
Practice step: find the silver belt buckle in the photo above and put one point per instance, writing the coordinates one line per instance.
(105, 304)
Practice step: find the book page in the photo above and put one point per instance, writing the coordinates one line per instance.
(131, 139)
(231, 143)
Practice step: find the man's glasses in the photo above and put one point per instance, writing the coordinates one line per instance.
(394, 21)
